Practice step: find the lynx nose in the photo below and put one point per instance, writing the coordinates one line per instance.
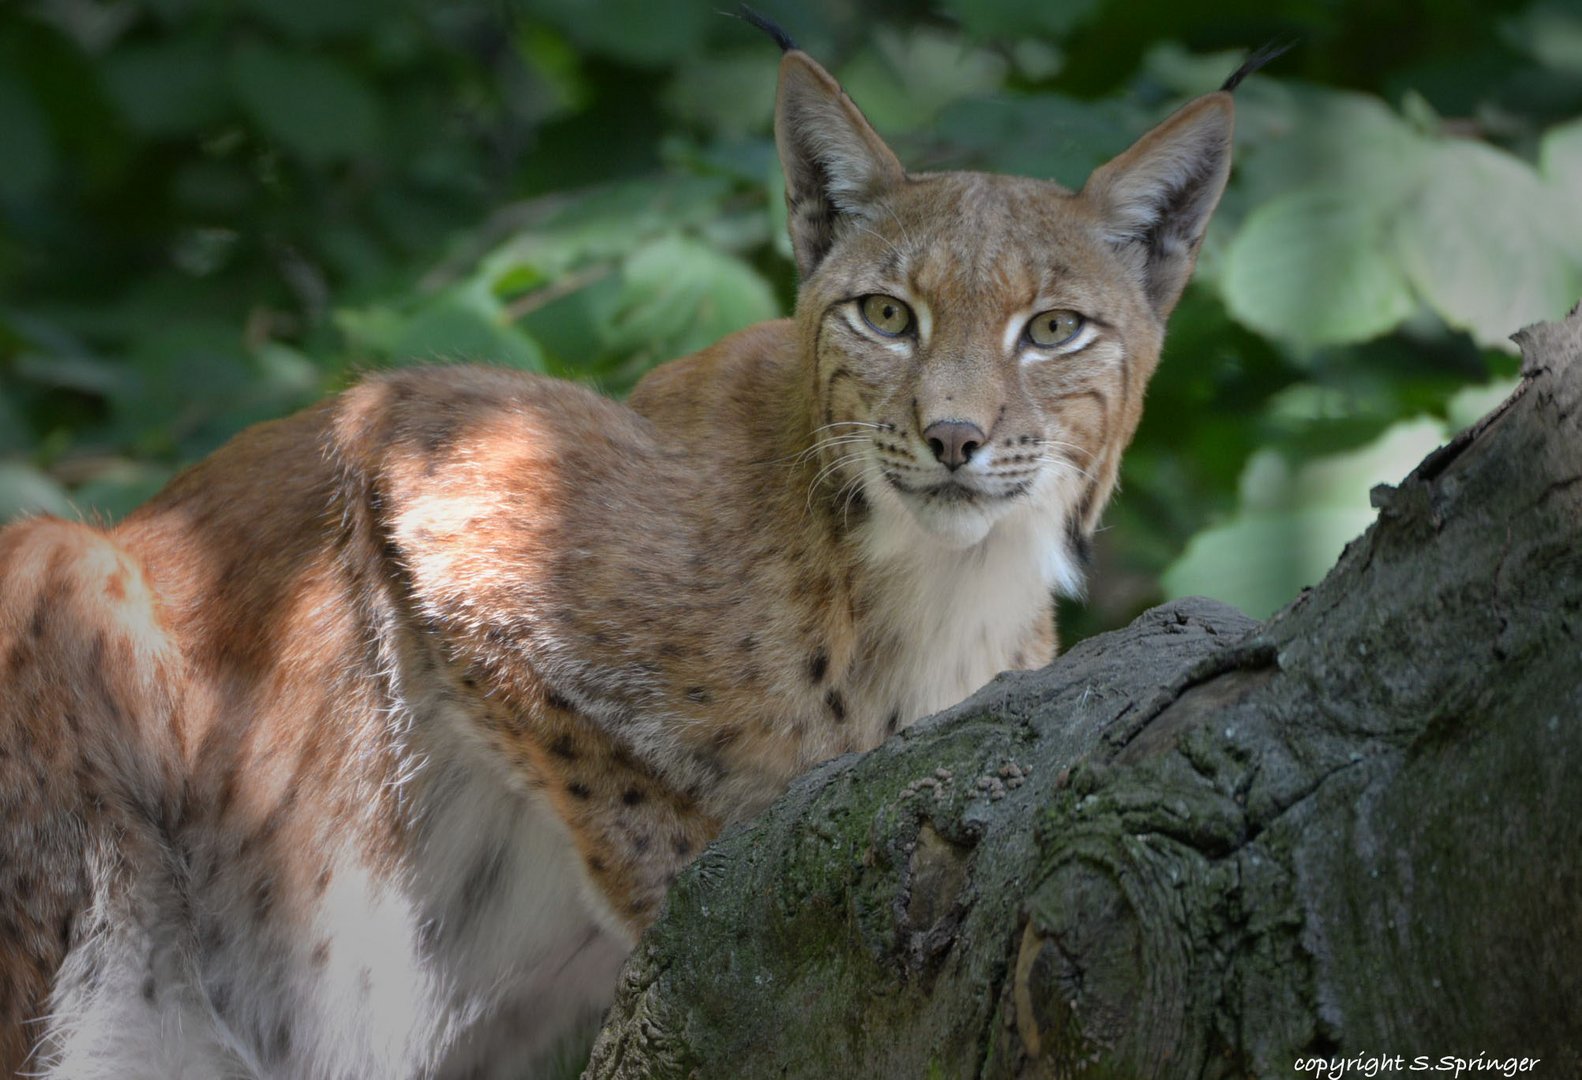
(953, 441)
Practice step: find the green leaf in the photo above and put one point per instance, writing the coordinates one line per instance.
(120, 488)
(464, 324)
(1560, 155)
(904, 80)
(311, 19)
(181, 378)
(1046, 136)
(1560, 162)
(636, 31)
(1482, 246)
(167, 87)
(1315, 267)
(607, 223)
(1291, 137)
(1552, 32)
(679, 295)
(732, 94)
(1293, 523)
(13, 434)
(1473, 403)
(317, 109)
(26, 490)
(29, 152)
(1017, 19)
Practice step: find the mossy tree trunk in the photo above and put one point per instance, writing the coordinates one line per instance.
(1198, 847)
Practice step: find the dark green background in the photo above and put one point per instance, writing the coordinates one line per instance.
(212, 213)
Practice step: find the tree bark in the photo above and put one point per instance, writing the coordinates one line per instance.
(1199, 846)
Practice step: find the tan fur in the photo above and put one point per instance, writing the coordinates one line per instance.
(621, 626)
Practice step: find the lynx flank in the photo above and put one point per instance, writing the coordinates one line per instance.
(369, 746)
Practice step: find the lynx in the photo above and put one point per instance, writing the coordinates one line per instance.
(369, 746)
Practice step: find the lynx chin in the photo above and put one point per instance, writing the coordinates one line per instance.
(369, 746)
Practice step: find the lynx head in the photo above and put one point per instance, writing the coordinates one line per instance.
(978, 346)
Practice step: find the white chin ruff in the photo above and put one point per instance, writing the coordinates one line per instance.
(955, 526)
(1028, 534)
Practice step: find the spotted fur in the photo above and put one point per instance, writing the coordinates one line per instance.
(367, 748)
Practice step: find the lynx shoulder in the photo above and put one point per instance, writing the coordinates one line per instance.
(367, 748)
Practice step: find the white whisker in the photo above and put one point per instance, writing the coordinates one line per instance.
(1065, 463)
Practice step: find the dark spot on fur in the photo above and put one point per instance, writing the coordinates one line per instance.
(893, 724)
(699, 695)
(220, 997)
(818, 667)
(709, 762)
(558, 701)
(597, 864)
(748, 643)
(438, 438)
(320, 954)
(211, 936)
(277, 1045)
(631, 796)
(263, 899)
(150, 988)
(563, 748)
(578, 790)
(856, 505)
(322, 882)
(1082, 546)
(671, 651)
(35, 626)
(483, 880)
(683, 846)
(641, 842)
(837, 705)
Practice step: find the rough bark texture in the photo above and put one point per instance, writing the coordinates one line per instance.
(1198, 847)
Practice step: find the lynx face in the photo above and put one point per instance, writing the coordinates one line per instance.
(972, 357)
(981, 344)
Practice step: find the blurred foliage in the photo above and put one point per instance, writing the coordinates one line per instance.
(214, 211)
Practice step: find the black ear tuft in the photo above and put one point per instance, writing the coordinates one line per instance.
(1263, 54)
(1156, 198)
(768, 26)
(836, 166)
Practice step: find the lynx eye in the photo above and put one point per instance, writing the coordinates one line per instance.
(886, 314)
(1051, 328)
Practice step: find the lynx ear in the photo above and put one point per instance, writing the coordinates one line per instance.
(835, 164)
(1156, 198)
